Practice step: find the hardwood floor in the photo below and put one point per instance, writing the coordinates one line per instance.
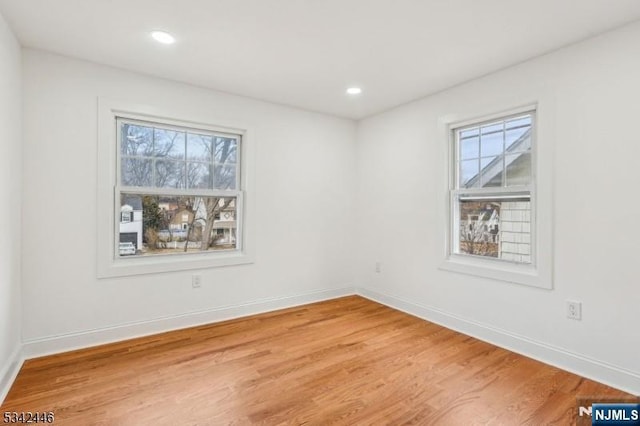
(345, 361)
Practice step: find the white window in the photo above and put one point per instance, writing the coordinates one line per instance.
(181, 172)
(492, 192)
(126, 217)
(497, 194)
(176, 177)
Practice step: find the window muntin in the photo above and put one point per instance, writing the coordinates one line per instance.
(493, 181)
(152, 156)
(167, 173)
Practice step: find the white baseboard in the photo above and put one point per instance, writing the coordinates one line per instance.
(68, 342)
(9, 373)
(619, 378)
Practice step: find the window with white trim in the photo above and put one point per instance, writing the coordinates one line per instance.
(126, 216)
(176, 181)
(176, 173)
(491, 214)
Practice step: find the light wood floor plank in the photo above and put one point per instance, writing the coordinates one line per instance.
(345, 361)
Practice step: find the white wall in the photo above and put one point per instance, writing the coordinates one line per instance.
(593, 89)
(304, 177)
(10, 194)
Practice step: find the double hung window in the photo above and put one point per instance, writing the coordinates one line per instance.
(174, 190)
(493, 186)
(173, 183)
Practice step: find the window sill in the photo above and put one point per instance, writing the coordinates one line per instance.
(123, 267)
(528, 275)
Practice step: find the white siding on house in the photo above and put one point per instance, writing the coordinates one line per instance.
(515, 228)
(135, 226)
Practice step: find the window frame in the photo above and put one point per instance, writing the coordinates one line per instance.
(497, 192)
(109, 262)
(236, 194)
(538, 273)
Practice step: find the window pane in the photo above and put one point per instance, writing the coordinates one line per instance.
(469, 174)
(491, 171)
(169, 144)
(491, 144)
(136, 140)
(136, 172)
(225, 177)
(226, 150)
(519, 122)
(169, 174)
(517, 139)
(496, 228)
(492, 128)
(469, 132)
(199, 175)
(518, 169)
(470, 148)
(199, 147)
(176, 225)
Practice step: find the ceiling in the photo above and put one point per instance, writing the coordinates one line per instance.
(305, 53)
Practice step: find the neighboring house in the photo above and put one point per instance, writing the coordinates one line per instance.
(131, 221)
(180, 220)
(515, 231)
(514, 158)
(168, 207)
(483, 218)
(224, 225)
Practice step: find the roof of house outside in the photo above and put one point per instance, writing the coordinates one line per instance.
(494, 169)
(134, 201)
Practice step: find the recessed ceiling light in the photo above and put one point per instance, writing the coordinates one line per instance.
(163, 37)
(354, 91)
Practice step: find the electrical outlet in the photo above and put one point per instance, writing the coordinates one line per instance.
(378, 267)
(196, 281)
(574, 310)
